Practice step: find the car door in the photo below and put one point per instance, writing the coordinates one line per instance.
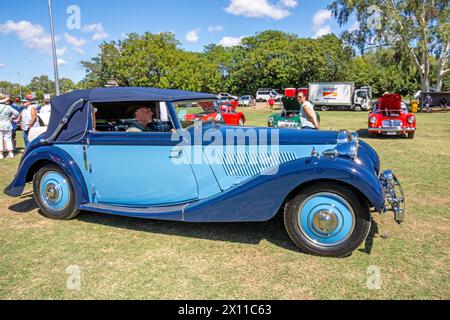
(139, 170)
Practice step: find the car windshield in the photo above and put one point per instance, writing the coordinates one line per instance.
(192, 112)
(376, 108)
(245, 98)
(362, 94)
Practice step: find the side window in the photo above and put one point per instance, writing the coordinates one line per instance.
(192, 112)
(135, 117)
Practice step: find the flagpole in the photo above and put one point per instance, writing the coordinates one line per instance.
(55, 58)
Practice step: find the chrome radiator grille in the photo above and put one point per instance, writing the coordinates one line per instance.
(288, 124)
(392, 123)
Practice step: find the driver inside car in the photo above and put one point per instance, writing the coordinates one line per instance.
(143, 119)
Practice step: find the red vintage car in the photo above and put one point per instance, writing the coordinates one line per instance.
(230, 115)
(391, 117)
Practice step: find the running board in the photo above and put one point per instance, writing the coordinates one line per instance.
(172, 213)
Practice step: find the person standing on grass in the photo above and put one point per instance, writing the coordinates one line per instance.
(6, 128)
(16, 105)
(308, 116)
(444, 104)
(45, 112)
(29, 119)
(428, 103)
(271, 102)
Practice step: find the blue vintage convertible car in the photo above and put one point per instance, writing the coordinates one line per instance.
(138, 152)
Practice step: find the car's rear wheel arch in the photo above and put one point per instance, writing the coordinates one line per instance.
(71, 170)
(52, 180)
(35, 167)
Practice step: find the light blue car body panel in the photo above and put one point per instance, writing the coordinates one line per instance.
(143, 176)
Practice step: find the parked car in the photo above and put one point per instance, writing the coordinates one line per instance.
(247, 101)
(263, 95)
(209, 113)
(326, 182)
(227, 95)
(290, 116)
(390, 116)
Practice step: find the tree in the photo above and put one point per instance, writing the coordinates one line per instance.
(7, 87)
(418, 28)
(41, 85)
(66, 85)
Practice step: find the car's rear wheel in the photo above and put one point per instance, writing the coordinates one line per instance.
(328, 220)
(324, 108)
(53, 192)
(241, 121)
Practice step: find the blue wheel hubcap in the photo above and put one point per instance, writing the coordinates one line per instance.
(54, 191)
(326, 219)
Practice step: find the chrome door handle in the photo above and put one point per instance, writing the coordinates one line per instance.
(176, 154)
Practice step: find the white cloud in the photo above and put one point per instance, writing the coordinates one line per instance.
(74, 41)
(320, 20)
(62, 62)
(192, 36)
(79, 50)
(61, 51)
(322, 31)
(98, 30)
(230, 41)
(2, 65)
(289, 3)
(215, 29)
(32, 36)
(261, 8)
(321, 17)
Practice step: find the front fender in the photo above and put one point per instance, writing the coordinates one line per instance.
(260, 198)
(49, 154)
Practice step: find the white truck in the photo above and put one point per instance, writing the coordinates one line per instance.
(339, 95)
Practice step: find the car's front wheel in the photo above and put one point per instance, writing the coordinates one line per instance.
(241, 122)
(328, 220)
(53, 192)
(411, 135)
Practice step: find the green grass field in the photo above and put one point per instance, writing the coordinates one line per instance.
(122, 258)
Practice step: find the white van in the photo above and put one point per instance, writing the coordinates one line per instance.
(263, 95)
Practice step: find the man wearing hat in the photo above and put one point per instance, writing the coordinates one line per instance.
(6, 112)
(29, 118)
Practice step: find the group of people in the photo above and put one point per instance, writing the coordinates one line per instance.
(19, 113)
(428, 103)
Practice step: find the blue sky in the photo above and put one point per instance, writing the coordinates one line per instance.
(24, 27)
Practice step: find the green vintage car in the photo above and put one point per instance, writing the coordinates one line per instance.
(290, 115)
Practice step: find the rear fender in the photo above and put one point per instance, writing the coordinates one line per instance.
(41, 156)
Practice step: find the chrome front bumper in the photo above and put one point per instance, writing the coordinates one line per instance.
(394, 195)
(399, 130)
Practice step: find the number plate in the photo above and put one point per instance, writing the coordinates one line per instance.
(391, 133)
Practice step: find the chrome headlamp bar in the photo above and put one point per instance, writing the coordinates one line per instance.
(349, 149)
